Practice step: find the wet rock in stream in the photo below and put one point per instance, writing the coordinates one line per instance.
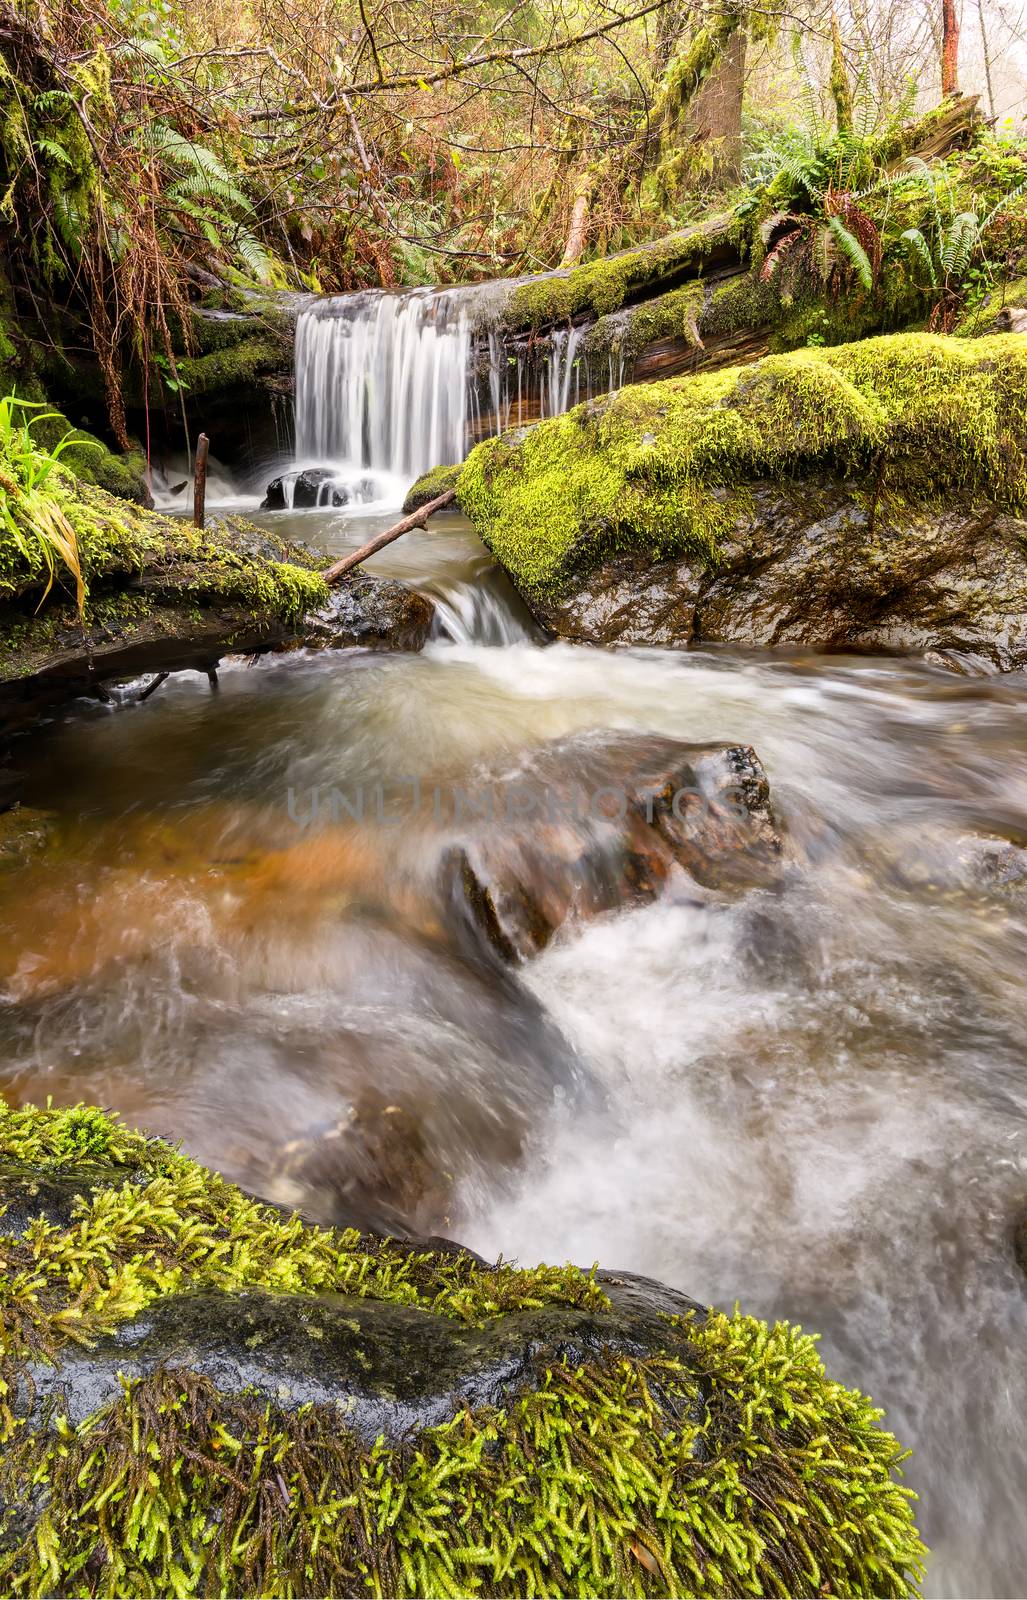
(314, 486)
(590, 827)
(372, 613)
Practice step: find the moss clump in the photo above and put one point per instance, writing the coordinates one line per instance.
(90, 460)
(599, 287)
(235, 366)
(429, 486)
(728, 1465)
(667, 468)
(118, 542)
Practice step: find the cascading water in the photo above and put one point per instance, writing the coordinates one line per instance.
(381, 380)
(395, 383)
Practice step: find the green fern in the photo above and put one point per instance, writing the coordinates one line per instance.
(210, 186)
(257, 258)
(55, 151)
(917, 247)
(853, 252)
(958, 243)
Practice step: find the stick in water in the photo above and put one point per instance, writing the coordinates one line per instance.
(416, 519)
(200, 489)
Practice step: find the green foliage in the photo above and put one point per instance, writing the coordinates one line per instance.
(665, 468)
(33, 517)
(729, 1464)
(48, 514)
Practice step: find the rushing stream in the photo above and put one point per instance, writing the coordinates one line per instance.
(811, 1099)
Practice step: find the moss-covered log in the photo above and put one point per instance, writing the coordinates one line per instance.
(93, 587)
(303, 1411)
(908, 453)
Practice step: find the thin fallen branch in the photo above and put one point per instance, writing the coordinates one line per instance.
(416, 519)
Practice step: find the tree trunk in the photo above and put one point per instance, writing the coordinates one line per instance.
(715, 115)
(949, 48)
(841, 89)
(577, 231)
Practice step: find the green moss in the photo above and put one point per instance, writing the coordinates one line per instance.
(984, 314)
(429, 486)
(118, 540)
(237, 365)
(665, 468)
(701, 310)
(90, 460)
(728, 1465)
(599, 287)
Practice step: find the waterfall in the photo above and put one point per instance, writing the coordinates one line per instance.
(381, 380)
(392, 383)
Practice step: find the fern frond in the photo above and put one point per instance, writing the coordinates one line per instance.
(920, 250)
(1003, 205)
(211, 187)
(778, 254)
(958, 243)
(257, 258)
(853, 252)
(55, 151)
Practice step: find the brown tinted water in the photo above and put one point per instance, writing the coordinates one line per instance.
(811, 1099)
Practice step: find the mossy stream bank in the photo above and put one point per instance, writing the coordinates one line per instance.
(867, 496)
(205, 1395)
(160, 595)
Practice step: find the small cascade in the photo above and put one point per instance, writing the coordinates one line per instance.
(480, 613)
(395, 383)
(381, 380)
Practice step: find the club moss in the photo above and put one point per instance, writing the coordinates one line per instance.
(728, 1465)
(667, 468)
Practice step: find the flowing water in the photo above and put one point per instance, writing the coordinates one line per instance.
(811, 1099)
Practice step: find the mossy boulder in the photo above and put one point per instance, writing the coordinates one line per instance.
(843, 481)
(429, 486)
(204, 1395)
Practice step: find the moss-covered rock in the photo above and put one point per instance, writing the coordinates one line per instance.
(429, 486)
(548, 1431)
(120, 473)
(92, 587)
(671, 470)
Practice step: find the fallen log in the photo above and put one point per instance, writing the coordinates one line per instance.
(417, 519)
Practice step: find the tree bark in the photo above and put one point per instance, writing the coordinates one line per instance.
(841, 89)
(715, 116)
(949, 48)
(577, 231)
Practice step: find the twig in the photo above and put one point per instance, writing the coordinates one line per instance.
(417, 519)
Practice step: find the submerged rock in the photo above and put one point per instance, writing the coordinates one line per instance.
(866, 497)
(241, 1403)
(25, 834)
(585, 828)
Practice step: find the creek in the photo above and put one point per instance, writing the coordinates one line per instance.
(810, 1098)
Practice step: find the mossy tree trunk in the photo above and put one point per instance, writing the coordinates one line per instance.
(841, 89)
(714, 120)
